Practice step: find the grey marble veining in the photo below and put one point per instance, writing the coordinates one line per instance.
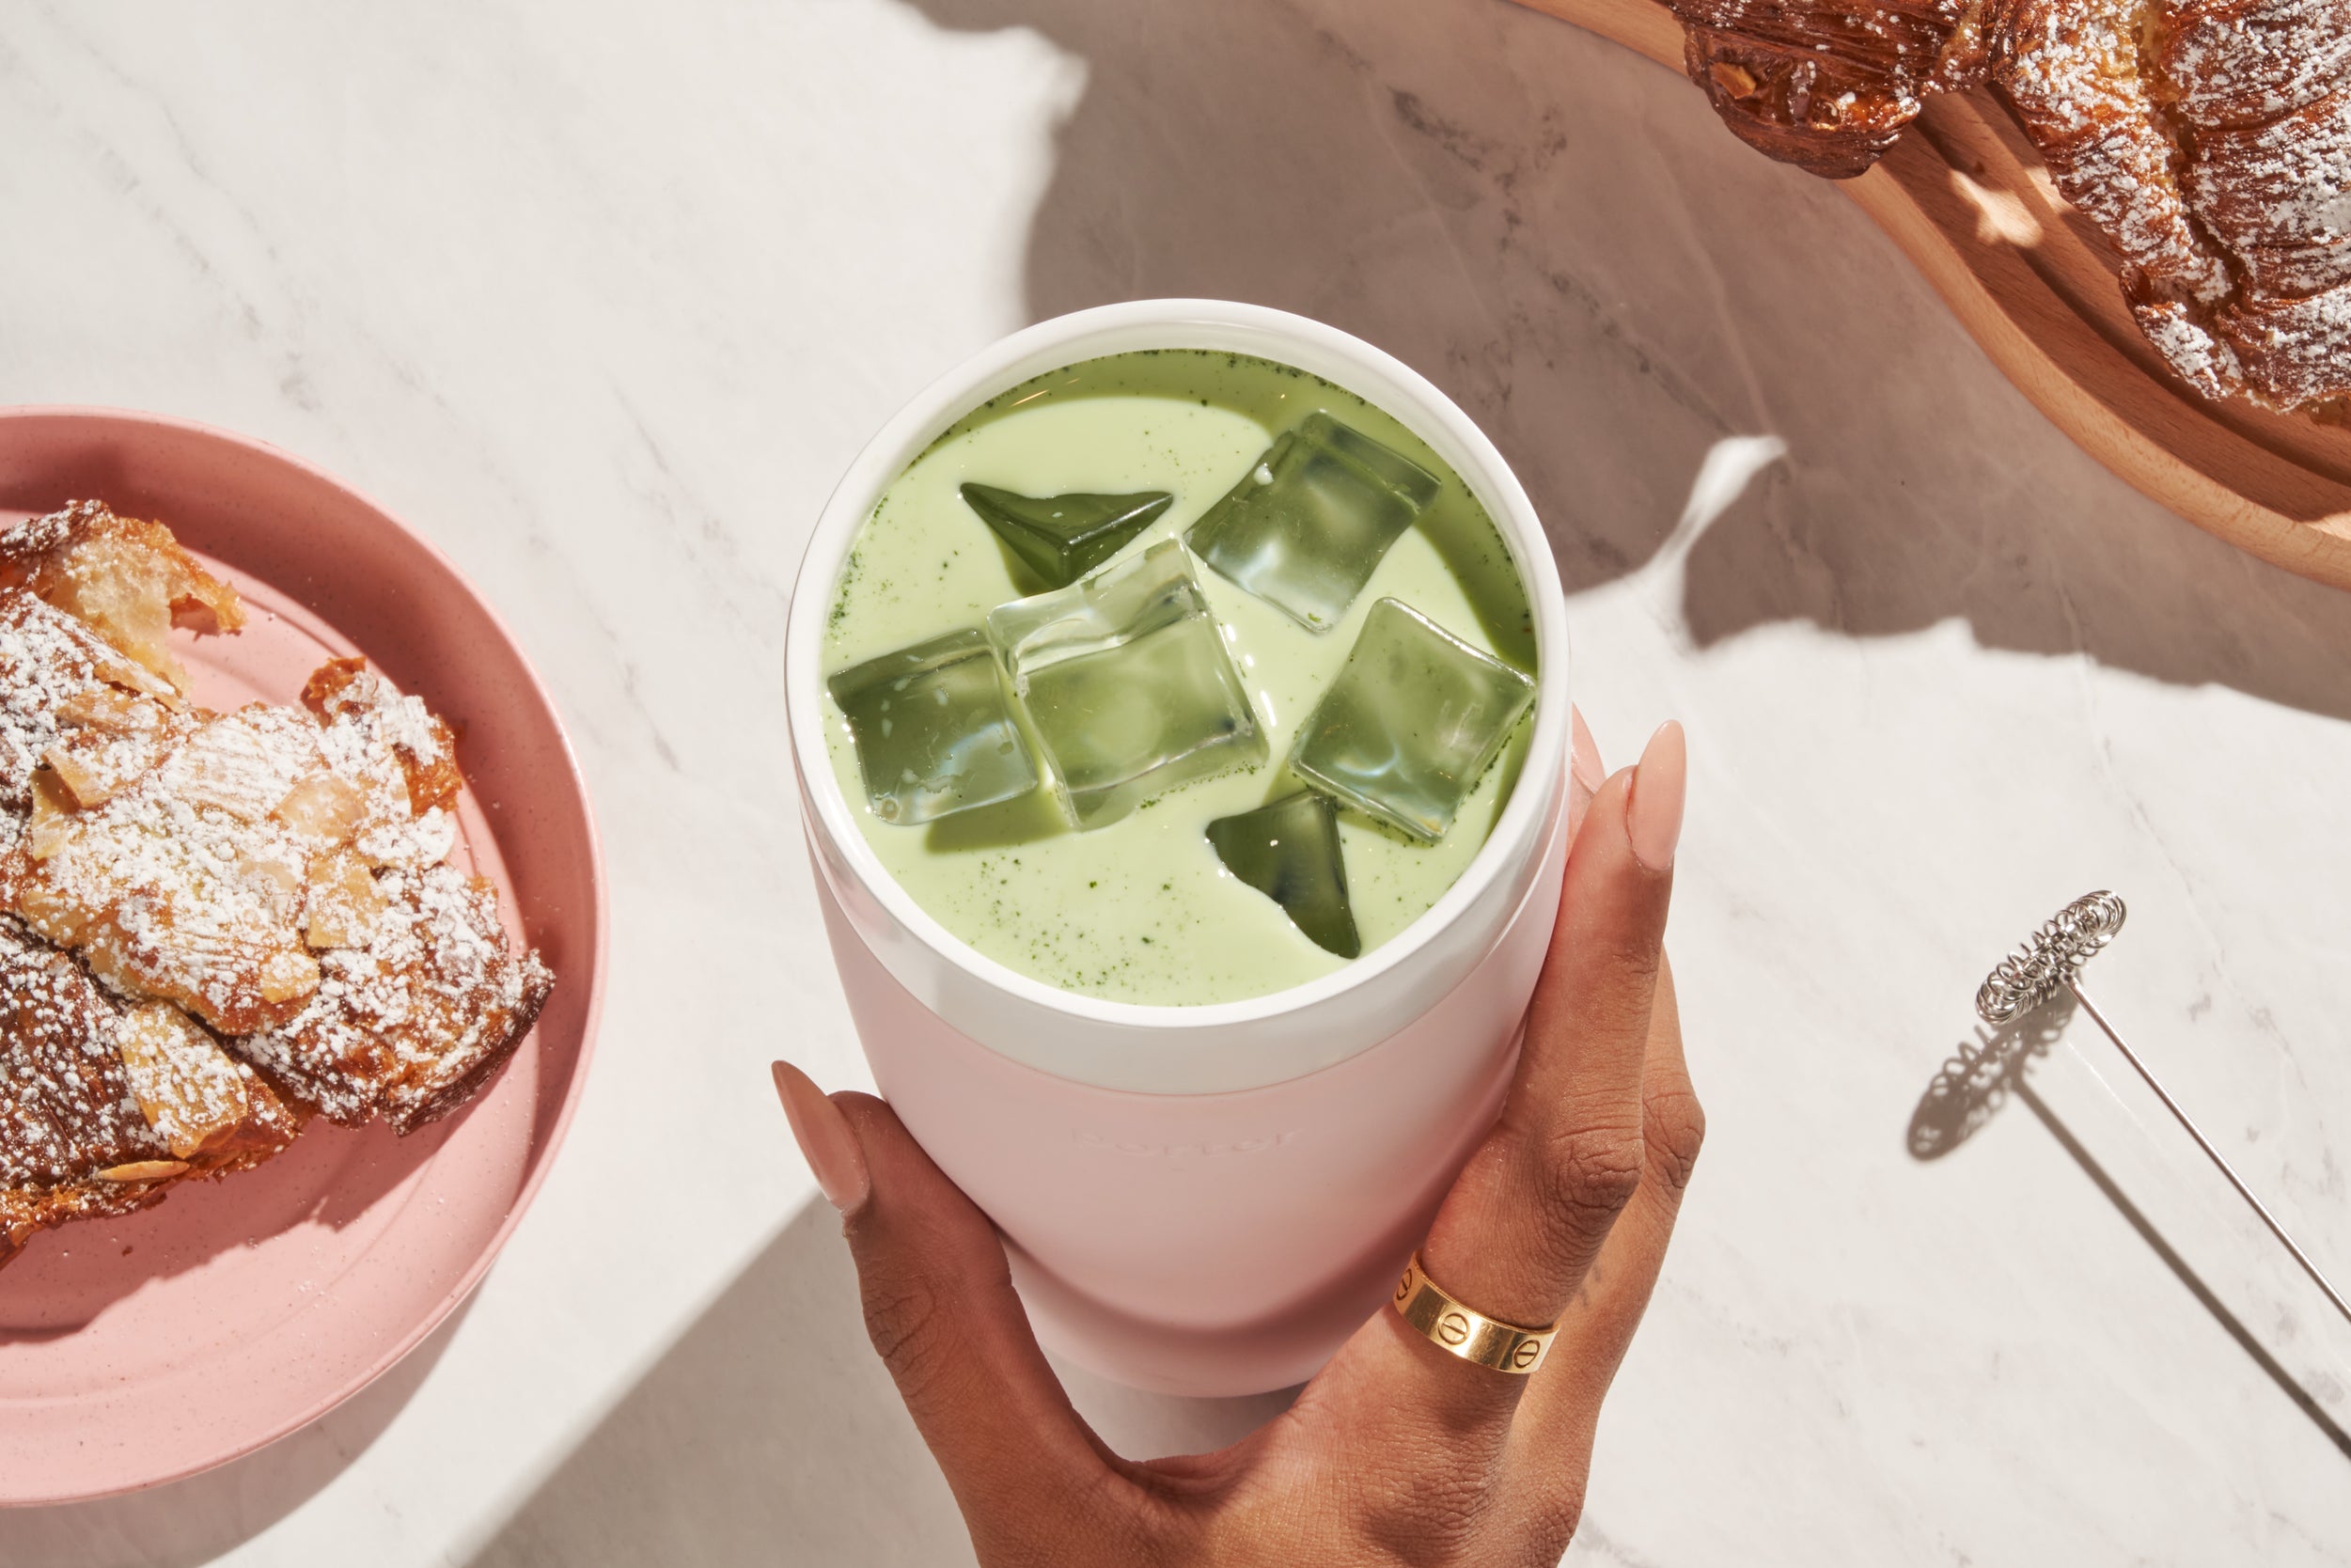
(604, 297)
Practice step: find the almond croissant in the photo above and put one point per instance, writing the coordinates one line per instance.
(2210, 140)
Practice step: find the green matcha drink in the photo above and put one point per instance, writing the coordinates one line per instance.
(1160, 887)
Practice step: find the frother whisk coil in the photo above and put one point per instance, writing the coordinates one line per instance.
(2050, 958)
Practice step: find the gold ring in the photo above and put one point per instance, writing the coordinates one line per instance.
(1466, 1332)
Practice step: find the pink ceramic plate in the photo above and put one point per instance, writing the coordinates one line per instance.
(139, 1351)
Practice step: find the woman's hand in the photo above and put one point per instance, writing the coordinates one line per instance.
(1396, 1453)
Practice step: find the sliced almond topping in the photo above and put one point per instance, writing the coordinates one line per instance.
(58, 919)
(324, 809)
(345, 903)
(143, 1170)
(110, 709)
(51, 828)
(131, 581)
(124, 591)
(1736, 80)
(246, 763)
(191, 1093)
(275, 866)
(84, 786)
(287, 974)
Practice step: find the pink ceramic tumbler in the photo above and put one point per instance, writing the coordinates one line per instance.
(1198, 1199)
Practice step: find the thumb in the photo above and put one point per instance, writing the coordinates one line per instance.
(940, 1308)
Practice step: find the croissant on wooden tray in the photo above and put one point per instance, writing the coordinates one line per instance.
(2210, 140)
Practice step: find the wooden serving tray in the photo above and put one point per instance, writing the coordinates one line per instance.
(1966, 197)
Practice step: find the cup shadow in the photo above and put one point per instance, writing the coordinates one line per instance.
(770, 1430)
(1562, 236)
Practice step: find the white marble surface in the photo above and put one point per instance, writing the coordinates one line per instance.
(605, 296)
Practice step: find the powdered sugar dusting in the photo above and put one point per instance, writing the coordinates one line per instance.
(403, 1023)
(2074, 75)
(2234, 63)
(66, 1106)
(48, 662)
(182, 887)
(2203, 360)
(2212, 144)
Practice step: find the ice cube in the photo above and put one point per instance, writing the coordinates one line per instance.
(1411, 723)
(935, 728)
(1289, 852)
(1127, 685)
(1061, 538)
(1306, 525)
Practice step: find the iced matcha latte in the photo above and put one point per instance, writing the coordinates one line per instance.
(1177, 678)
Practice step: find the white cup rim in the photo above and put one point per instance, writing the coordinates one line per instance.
(1179, 323)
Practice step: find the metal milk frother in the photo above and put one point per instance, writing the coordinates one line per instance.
(2052, 958)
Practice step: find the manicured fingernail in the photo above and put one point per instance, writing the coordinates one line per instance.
(1654, 816)
(834, 1156)
(1584, 755)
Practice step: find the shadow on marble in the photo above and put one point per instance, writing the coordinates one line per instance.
(195, 1521)
(1560, 235)
(1980, 1078)
(769, 1432)
(2234, 1325)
